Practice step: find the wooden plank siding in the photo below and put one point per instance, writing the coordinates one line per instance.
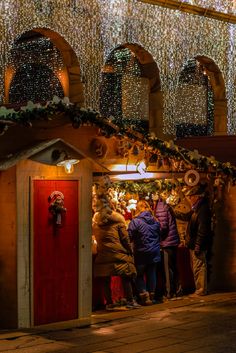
(223, 148)
(8, 250)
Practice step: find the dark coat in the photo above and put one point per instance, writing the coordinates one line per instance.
(114, 252)
(144, 232)
(166, 217)
(199, 228)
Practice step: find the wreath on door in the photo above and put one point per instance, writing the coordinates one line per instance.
(56, 207)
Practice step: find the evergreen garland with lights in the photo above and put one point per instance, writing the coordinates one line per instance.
(155, 147)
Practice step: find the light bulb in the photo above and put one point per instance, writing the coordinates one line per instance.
(68, 165)
(69, 168)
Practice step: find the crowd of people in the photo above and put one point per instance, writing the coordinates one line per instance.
(136, 249)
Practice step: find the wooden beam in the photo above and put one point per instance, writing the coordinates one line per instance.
(193, 9)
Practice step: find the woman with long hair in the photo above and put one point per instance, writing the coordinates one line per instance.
(114, 255)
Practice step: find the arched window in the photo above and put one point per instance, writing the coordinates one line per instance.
(36, 64)
(194, 108)
(124, 91)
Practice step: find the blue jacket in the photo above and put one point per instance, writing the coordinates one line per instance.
(166, 217)
(144, 232)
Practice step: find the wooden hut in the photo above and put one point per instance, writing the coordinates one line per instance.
(46, 213)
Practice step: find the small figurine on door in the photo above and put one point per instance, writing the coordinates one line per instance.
(56, 207)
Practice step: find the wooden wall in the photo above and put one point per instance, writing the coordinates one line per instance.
(15, 243)
(221, 147)
(27, 169)
(223, 260)
(223, 270)
(8, 250)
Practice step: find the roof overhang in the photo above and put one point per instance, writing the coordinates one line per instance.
(43, 152)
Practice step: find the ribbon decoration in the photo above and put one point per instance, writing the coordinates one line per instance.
(56, 207)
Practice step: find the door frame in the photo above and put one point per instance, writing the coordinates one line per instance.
(25, 243)
(32, 239)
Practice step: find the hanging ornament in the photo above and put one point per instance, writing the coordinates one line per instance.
(159, 163)
(176, 164)
(135, 150)
(56, 207)
(122, 148)
(153, 158)
(182, 166)
(98, 148)
(191, 177)
(166, 162)
(194, 155)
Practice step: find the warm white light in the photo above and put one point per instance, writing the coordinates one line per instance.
(123, 22)
(134, 176)
(141, 168)
(124, 168)
(68, 164)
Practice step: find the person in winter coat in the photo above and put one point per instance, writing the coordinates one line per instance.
(114, 255)
(144, 232)
(199, 236)
(169, 244)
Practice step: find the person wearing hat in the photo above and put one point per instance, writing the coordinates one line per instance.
(199, 236)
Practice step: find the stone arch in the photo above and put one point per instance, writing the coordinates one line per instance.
(148, 71)
(202, 84)
(70, 75)
(218, 86)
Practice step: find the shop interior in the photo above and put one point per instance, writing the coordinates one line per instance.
(124, 195)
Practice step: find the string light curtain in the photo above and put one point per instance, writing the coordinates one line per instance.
(194, 108)
(124, 94)
(36, 62)
(94, 28)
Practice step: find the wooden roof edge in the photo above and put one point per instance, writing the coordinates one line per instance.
(193, 9)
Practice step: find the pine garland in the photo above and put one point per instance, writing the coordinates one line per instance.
(109, 127)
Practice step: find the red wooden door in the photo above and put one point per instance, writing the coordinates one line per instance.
(55, 253)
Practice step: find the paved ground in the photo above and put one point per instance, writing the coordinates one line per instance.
(205, 325)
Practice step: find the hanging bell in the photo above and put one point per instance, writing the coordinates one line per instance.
(135, 150)
(159, 163)
(153, 158)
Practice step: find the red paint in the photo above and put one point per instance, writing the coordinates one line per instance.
(55, 254)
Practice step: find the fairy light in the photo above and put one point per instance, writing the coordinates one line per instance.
(94, 28)
(194, 109)
(123, 92)
(35, 61)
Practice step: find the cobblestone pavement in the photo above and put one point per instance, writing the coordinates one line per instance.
(202, 325)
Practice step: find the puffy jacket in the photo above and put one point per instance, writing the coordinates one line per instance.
(114, 256)
(169, 232)
(144, 232)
